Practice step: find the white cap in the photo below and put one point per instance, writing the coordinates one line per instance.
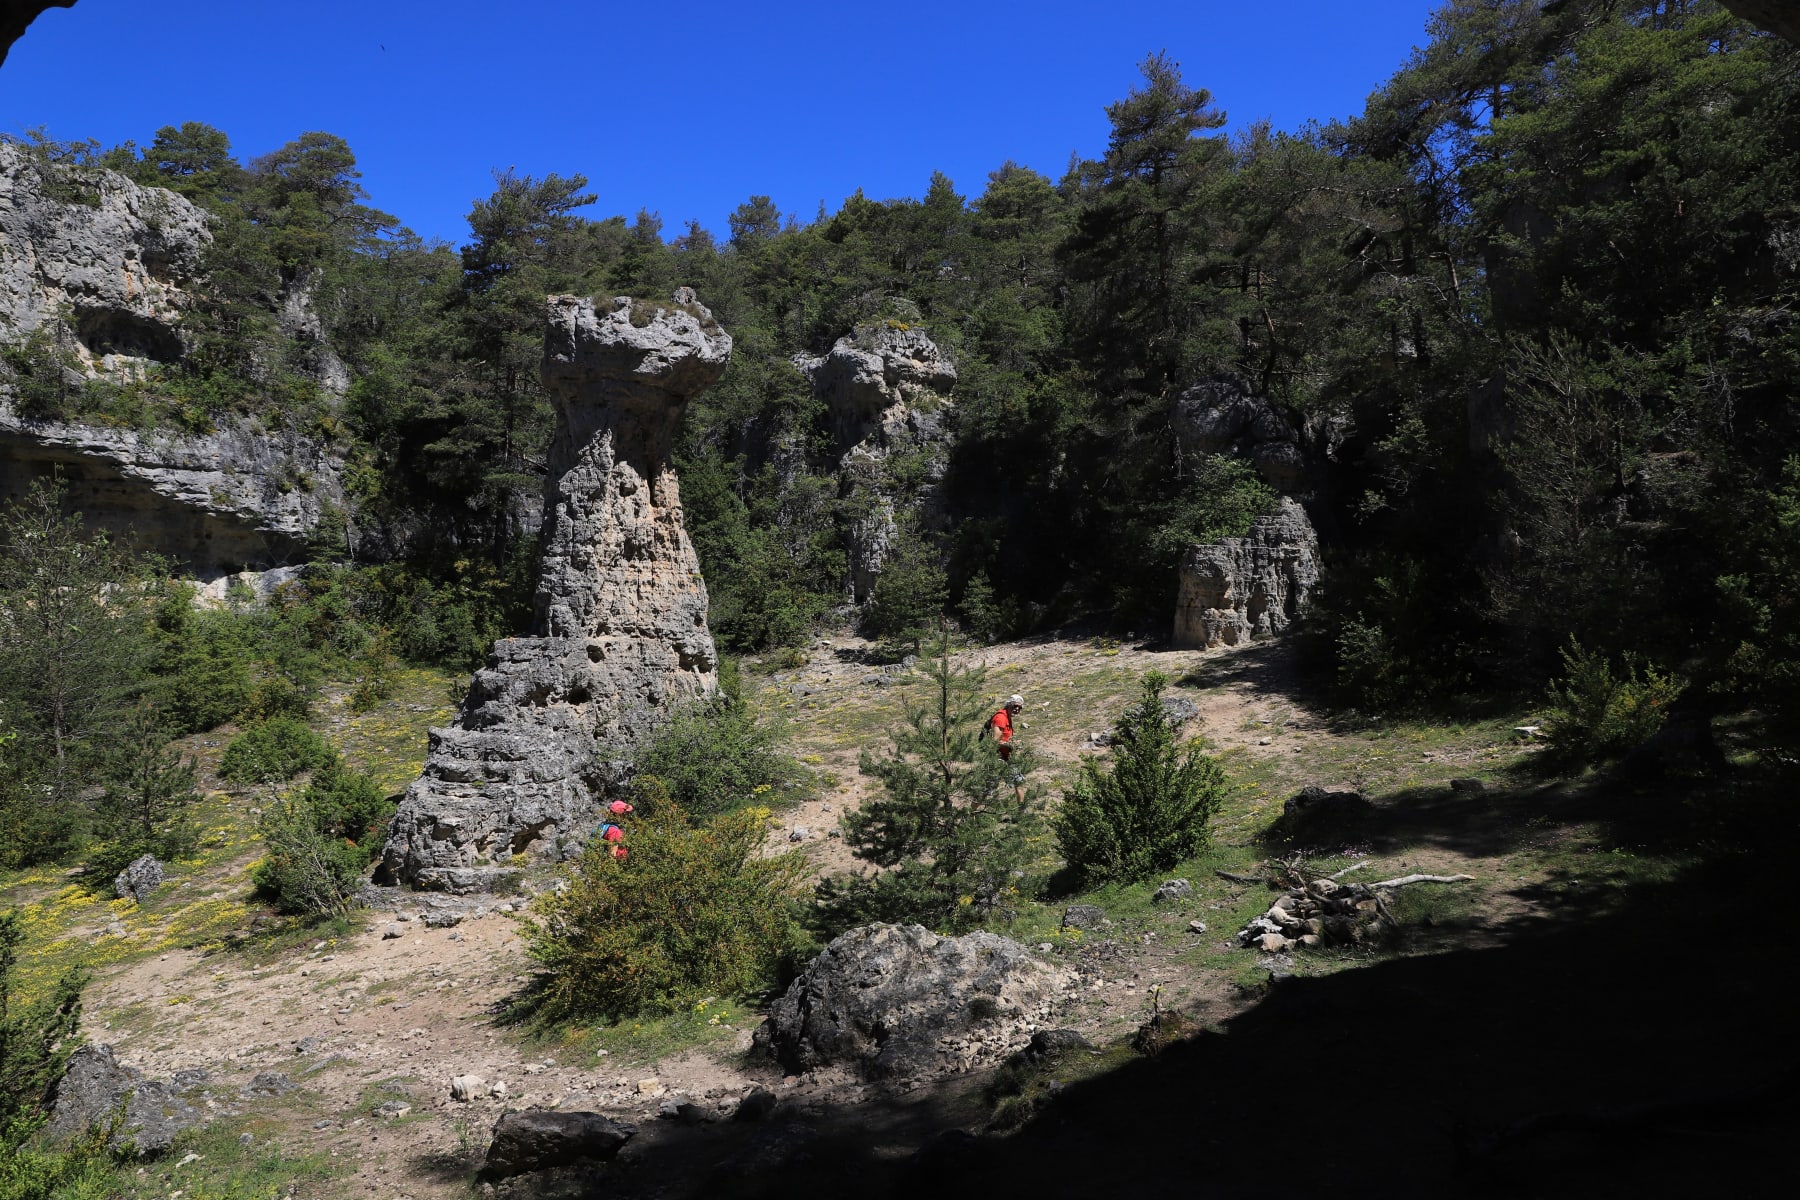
(1017, 699)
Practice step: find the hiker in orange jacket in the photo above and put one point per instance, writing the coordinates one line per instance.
(1001, 726)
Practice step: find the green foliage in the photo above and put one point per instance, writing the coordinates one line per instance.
(951, 834)
(149, 790)
(320, 842)
(714, 756)
(45, 372)
(909, 595)
(274, 750)
(694, 910)
(36, 1039)
(1596, 715)
(1149, 807)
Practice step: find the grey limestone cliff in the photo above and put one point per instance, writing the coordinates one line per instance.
(621, 629)
(887, 389)
(1240, 589)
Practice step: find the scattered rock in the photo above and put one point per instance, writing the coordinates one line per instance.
(534, 1141)
(138, 880)
(466, 1087)
(1083, 916)
(1173, 891)
(897, 1001)
(799, 833)
(308, 1045)
(756, 1106)
(1317, 817)
(1047, 1044)
(649, 1087)
(270, 1083)
(1471, 786)
(392, 1110)
(1196, 926)
(498, 1090)
(1180, 710)
(443, 919)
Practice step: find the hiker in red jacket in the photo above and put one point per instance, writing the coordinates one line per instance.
(1001, 726)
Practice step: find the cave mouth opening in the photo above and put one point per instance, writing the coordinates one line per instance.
(109, 331)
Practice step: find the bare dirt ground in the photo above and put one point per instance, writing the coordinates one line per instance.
(374, 1018)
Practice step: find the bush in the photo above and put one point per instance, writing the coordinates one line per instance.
(714, 756)
(1148, 808)
(36, 1039)
(321, 841)
(1596, 715)
(694, 910)
(148, 792)
(274, 750)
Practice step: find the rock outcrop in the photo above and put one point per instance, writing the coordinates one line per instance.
(111, 258)
(1220, 416)
(899, 1002)
(621, 631)
(1239, 589)
(96, 1087)
(211, 503)
(887, 389)
(141, 877)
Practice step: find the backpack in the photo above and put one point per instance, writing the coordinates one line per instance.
(988, 729)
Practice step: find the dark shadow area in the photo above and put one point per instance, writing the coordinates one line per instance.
(1623, 1040)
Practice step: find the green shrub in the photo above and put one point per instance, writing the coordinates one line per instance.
(694, 910)
(36, 1039)
(714, 756)
(320, 842)
(1148, 807)
(273, 750)
(148, 792)
(1596, 715)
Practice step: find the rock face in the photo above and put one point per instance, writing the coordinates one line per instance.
(887, 388)
(1220, 416)
(621, 630)
(142, 877)
(899, 1002)
(213, 503)
(1240, 589)
(534, 1141)
(95, 1086)
(112, 256)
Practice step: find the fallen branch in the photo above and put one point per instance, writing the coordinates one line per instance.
(1352, 867)
(1236, 878)
(1406, 879)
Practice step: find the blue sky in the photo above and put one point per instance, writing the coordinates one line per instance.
(685, 109)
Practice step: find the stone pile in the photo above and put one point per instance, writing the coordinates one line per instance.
(620, 634)
(1322, 913)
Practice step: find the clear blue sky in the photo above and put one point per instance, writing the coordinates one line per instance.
(687, 108)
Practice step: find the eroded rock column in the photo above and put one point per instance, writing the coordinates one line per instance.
(620, 631)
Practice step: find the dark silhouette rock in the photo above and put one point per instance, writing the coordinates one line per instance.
(535, 1141)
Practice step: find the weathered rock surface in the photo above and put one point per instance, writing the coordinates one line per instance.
(114, 256)
(213, 503)
(140, 878)
(95, 1087)
(621, 609)
(1239, 589)
(899, 1002)
(535, 1141)
(1220, 416)
(887, 388)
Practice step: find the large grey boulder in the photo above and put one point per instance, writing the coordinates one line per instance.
(535, 1141)
(899, 1002)
(887, 389)
(1236, 590)
(142, 876)
(97, 1088)
(621, 633)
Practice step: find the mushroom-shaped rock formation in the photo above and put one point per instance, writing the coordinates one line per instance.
(621, 609)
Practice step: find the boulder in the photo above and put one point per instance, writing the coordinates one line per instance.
(1179, 709)
(620, 631)
(1240, 589)
(1315, 816)
(1221, 416)
(899, 1002)
(141, 877)
(97, 1087)
(1174, 891)
(1083, 916)
(537, 1140)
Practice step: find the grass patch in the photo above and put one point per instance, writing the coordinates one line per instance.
(226, 1168)
(709, 1025)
